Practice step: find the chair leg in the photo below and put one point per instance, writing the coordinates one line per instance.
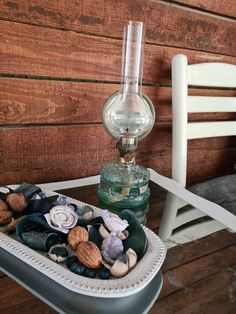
(173, 203)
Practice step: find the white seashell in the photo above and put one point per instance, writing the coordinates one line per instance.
(132, 258)
(61, 218)
(57, 258)
(119, 269)
(103, 232)
(123, 235)
(113, 222)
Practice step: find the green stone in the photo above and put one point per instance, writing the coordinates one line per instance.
(137, 239)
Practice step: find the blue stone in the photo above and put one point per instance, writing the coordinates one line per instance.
(104, 273)
(70, 260)
(77, 268)
(90, 273)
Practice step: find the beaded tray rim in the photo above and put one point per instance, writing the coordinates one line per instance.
(132, 283)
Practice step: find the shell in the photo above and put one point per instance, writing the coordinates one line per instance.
(119, 269)
(5, 216)
(76, 235)
(89, 255)
(123, 235)
(58, 253)
(132, 258)
(3, 205)
(103, 232)
(16, 201)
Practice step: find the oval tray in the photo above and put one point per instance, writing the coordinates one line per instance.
(133, 282)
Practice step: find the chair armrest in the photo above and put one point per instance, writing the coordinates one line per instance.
(61, 185)
(209, 208)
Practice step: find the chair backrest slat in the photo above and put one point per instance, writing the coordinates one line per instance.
(212, 74)
(211, 104)
(203, 74)
(210, 129)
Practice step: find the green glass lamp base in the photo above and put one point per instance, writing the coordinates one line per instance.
(125, 186)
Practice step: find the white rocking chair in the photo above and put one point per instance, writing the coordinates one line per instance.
(204, 74)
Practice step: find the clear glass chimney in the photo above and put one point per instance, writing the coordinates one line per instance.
(128, 114)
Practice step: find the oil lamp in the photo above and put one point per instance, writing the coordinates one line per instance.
(128, 116)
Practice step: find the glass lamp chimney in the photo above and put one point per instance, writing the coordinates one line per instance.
(129, 114)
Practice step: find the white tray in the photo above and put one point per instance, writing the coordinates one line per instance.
(133, 282)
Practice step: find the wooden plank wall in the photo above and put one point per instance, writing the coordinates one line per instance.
(61, 59)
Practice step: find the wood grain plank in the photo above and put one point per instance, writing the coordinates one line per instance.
(194, 271)
(63, 152)
(56, 53)
(53, 153)
(188, 252)
(34, 306)
(163, 21)
(215, 294)
(225, 7)
(12, 294)
(26, 101)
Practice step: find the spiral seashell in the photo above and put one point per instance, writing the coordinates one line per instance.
(62, 218)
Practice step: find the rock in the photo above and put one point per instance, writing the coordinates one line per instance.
(104, 273)
(70, 260)
(90, 273)
(77, 268)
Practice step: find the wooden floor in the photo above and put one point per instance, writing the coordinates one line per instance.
(199, 278)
